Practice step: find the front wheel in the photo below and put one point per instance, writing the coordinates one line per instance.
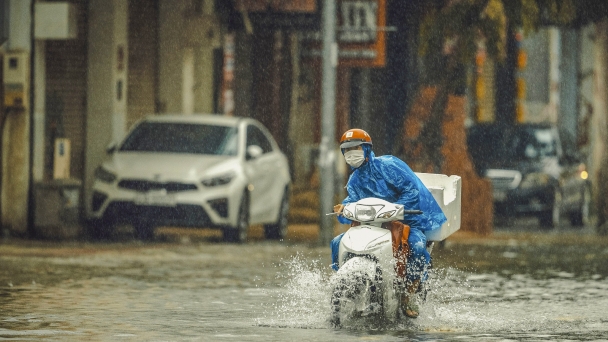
(354, 295)
(550, 218)
(239, 233)
(581, 217)
(278, 230)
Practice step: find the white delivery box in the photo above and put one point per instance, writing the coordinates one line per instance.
(446, 190)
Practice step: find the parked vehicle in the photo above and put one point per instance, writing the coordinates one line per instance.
(196, 170)
(533, 172)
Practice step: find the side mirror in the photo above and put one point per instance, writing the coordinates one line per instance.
(254, 151)
(111, 148)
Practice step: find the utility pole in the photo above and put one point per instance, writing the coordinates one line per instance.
(328, 97)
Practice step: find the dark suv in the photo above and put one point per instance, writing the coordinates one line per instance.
(532, 172)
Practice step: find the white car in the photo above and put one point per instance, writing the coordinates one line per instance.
(197, 170)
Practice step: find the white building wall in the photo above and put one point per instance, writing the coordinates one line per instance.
(598, 133)
(107, 82)
(187, 38)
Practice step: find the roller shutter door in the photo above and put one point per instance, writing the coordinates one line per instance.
(66, 84)
(143, 59)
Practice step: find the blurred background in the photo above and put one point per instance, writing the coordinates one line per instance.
(418, 75)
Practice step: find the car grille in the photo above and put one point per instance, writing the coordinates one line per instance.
(145, 185)
(183, 215)
(504, 179)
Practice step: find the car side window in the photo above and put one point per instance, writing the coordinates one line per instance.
(256, 137)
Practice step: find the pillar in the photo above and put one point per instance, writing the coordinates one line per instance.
(107, 81)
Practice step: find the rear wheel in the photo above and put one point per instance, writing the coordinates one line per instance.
(239, 233)
(144, 230)
(278, 230)
(99, 229)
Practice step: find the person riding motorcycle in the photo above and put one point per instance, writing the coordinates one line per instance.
(391, 179)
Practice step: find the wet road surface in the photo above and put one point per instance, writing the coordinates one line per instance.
(518, 284)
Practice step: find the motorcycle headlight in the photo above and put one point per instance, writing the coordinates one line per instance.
(218, 180)
(364, 213)
(104, 175)
(533, 180)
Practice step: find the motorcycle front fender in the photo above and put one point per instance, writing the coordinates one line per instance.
(359, 265)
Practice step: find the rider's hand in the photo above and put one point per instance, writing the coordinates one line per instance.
(338, 208)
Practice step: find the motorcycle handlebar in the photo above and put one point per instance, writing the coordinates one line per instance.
(410, 212)
(413, 212)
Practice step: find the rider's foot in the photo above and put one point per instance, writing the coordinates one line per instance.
(411, 310)
(407, 306)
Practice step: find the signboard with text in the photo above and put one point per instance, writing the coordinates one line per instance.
(361, 34)
(281, 14)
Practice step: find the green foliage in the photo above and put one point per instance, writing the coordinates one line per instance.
(474, 23)
(463, 26)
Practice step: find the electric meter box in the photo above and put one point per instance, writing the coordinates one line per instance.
(16, 74)
(61, 159)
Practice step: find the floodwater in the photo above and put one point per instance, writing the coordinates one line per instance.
(522, 285)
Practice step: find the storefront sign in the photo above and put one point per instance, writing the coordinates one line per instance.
(361, 34)
(277, 5)
(280, 14)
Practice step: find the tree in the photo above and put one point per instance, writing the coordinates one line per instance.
(451, 33)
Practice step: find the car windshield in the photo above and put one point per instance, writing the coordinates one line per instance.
(167, 137)
(494, 144)
(534, 143)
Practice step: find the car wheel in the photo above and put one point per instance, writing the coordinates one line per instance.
(581, 217)
(239, 233)
(99, 229)
(278, 230)
(144, 230)
(550, 218)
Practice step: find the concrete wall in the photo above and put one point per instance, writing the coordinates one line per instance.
(187, 38)
(599, 124)
(536, 75)
(16, 133)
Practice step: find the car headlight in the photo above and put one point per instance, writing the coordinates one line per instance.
(104, 175)
(533, 180)
(218, 180)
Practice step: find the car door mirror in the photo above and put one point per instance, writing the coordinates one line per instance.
(111, 148)
(254, 151)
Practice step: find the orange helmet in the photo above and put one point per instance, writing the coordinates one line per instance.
(355, 137)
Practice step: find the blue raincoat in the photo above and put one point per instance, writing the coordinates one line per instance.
(391, 179)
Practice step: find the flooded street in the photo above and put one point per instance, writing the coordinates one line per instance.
(517, 285)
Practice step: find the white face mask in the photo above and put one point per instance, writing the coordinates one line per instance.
(354, 158)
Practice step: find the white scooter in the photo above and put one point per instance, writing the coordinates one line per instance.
(365, 283)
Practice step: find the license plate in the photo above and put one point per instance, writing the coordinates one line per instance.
(160, 199)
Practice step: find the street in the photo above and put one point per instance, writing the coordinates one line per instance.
(519, 283)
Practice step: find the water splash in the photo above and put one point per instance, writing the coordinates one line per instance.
(457, 302)
(303, 299)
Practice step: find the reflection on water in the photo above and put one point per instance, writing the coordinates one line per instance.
(502, 290)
